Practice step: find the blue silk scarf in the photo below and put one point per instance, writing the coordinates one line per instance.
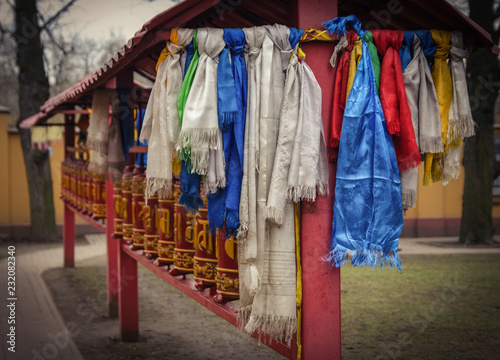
(190, 183)
(368, 217)
(232, 98)
(406, 48)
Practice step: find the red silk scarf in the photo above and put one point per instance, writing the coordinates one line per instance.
(339, 94)
(393, 98)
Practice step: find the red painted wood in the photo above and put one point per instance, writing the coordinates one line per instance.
(128, 296)
(228, 311)
(112, 247)
(98, 224)
(321, 283)
(69, 237)
(69, 216)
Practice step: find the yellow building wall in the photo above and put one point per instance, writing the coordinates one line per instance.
(14, 197)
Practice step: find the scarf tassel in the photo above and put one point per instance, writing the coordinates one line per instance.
(192, 139)
(280, 328)
(432, 145)
(408, 198)
(228, 118)
(372, 258)
(192, 203)
(232, 217)
(160, 186)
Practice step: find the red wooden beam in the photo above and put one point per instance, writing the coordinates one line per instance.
(321, 283)
(95, 223)
(227, 311)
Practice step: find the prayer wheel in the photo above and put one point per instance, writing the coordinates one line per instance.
(79, 181)
(118, 206)
(64, 181)
(126, 207)
(183, 234)
(166, 241)
(85, 189)
(72, 182)
(138, 203)
(150, 218)
(98, 196)
(205, 256)
(227, 269)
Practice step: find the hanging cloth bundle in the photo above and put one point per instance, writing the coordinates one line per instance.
(433, 167)
(367, 217)
(190, 182)
(247, 234)
(116, 158)
(460, 123)
(200, 128)
(393, 98)
(98, 132)
(270, 279)
(161, 126)
(424, 107)
(232, 95)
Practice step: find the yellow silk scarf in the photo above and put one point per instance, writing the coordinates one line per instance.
(433, 165)
(356, 53)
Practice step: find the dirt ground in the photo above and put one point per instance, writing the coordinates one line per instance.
(172, 326)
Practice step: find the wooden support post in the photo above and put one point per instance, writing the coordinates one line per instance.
(321, 283)
(69, 216)
(112, 247)
(128, 297)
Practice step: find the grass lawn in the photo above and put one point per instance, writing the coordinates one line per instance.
(439, 307)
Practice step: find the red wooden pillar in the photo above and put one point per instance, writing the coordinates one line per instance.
(128, 297)
(69, 216)
(321, 283)
(112, 248)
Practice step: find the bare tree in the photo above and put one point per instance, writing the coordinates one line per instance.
(479, 156)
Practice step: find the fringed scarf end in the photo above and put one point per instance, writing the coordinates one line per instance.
(242, 231)
(280, 328)
(394, 128)
(432, 145)
(232, 217)
(99, 169)
(191, 202)
(408, 198)
(274, 214)
(410, 162)
(451, 173)
(365, 257)
(228, 118)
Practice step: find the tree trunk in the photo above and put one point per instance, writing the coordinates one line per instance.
(33, 91)
(479, 155)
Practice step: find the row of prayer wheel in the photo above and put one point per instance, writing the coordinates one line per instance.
(174, 237)
(84, 190)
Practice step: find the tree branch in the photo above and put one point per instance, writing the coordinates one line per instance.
(57, 14)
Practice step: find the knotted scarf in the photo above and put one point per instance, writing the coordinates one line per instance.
(393, 98)
(97, 140)
(356, 56)
(247, 234)
(433, 167)
(424, 107)
(406, 49)
(428, 45)
(232, 97)
(200, 129)
(367, 217)
(340, 92)
(190, 182)
(162, 129)
(270, 275)
(460, 123)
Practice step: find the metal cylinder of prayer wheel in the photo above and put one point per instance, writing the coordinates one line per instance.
(205, 257)
(118, 206)
(72, 182)
(183, 235)
(137, 208)
(64, 181)
(166, 241)
(150, 218)
(79, 181)
(128, 224)
(88, 190)
(99, 196)
(227, 269)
